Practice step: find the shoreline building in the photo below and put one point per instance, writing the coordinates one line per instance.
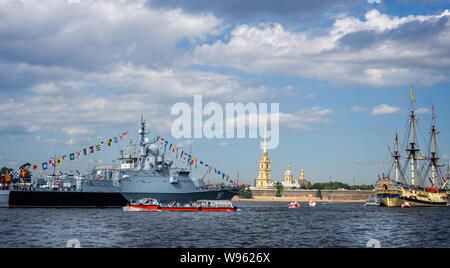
(289, 182)
(302, 180)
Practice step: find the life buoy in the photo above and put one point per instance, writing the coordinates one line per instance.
(58, 183)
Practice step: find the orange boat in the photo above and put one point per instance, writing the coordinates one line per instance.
(150, 204)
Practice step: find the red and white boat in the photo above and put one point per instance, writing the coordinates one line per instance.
(406, 205)
(312, 204)
(294, 204)
(150, 204)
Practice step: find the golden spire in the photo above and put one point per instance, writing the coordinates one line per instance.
(265, 135)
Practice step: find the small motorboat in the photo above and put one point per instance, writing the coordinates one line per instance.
(312, 204)
(144, 204)
(150, 204)
(372, 201)
(406, 205)
(294, 204)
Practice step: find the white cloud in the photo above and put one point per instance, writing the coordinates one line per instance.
(358, 109)
(374, 1)
(311, 96)
(222, 144)
(384, 109)
(303, 119)
(423, 111)
(97, 34)
(378, 51)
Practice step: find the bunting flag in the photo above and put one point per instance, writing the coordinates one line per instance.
(15, 174)
(189, 159)
(25, 166)
(85, 151)
(123, 134)
(23, 173)
(7, 177)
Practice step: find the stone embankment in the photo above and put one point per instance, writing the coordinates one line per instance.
(308, 195)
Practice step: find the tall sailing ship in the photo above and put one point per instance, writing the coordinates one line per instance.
(427, 184)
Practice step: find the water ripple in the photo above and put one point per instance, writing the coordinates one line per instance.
(256, 225)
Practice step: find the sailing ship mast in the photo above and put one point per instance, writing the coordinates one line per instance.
(434, 158)
(412, 150)
(396, 157)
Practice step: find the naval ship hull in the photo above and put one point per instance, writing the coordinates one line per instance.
(4, 198)
(58, 199)
(182, 197)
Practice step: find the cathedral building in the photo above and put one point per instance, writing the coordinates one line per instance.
(264, 175)
(302, 180)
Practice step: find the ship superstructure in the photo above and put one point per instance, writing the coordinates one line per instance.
(427, 184)
(149, 174)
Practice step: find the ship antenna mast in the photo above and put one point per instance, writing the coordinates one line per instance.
(412, 150)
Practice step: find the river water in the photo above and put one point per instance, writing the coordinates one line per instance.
(265, 224)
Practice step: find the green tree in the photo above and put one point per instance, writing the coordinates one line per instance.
(319, 194)
(249, 193)
(279, 186)
(5, 170)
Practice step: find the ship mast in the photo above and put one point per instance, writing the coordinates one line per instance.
(396, 157)
(412, 150)
(142, 149)
(434, 158)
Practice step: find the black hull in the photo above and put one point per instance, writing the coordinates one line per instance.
(65, 199)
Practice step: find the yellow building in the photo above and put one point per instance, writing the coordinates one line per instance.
(288, 176)
(264, 175)
(264, 171)
(302, 180)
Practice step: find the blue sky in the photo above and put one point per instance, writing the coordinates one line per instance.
(73, 73)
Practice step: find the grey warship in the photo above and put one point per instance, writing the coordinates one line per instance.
(149, 175)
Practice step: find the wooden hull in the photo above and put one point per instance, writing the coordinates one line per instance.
(393, 194)
(397, 202)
